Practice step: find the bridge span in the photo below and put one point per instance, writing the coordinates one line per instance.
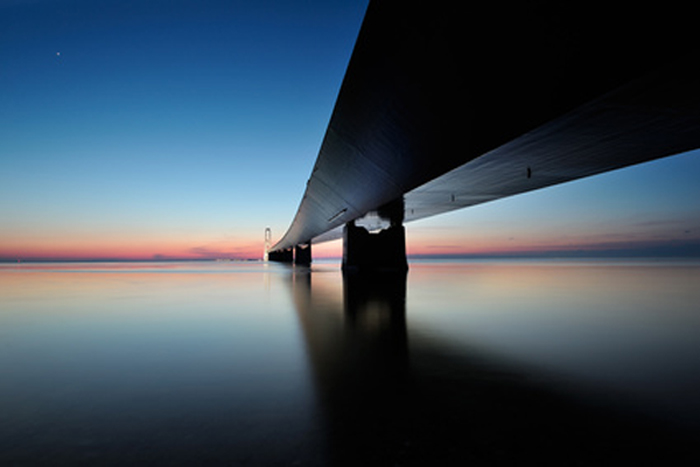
(445, 105)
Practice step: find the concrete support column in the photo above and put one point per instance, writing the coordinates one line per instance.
(365, 251)
(381, 251)
(281, 256)
(302, 254)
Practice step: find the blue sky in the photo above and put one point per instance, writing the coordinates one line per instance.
(199, 119)
(183, 129)
(647, 209)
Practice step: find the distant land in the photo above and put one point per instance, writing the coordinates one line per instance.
(662, 250)
(125, 260)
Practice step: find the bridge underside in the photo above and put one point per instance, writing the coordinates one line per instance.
(448, 106)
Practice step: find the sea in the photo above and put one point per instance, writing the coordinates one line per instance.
(457, 362)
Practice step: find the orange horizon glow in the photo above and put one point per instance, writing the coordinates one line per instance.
(132, 250)
(421, 244)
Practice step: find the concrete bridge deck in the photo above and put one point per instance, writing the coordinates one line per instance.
(445, 106)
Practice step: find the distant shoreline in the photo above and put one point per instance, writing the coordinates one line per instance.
(411, 258)
(125, 260)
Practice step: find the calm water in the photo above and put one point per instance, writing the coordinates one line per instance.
(487, 363)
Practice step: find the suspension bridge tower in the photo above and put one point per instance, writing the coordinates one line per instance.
(268, 243)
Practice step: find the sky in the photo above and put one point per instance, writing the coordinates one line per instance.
(182, 129)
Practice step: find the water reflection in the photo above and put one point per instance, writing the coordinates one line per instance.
(253, 364)
(392, 397)
(174, 364)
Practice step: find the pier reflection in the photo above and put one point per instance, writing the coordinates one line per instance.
(388, 398)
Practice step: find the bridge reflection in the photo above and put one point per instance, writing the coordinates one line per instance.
(390, 397)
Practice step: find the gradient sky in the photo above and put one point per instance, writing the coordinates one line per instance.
(181, 129)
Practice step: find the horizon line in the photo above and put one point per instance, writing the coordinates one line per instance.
(418, 257)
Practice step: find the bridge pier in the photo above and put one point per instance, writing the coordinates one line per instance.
(302, 254)
(382, 251)
(281, 256)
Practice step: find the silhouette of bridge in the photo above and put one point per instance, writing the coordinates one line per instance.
(446, 105)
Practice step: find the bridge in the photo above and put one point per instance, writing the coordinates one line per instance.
(446, 105)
